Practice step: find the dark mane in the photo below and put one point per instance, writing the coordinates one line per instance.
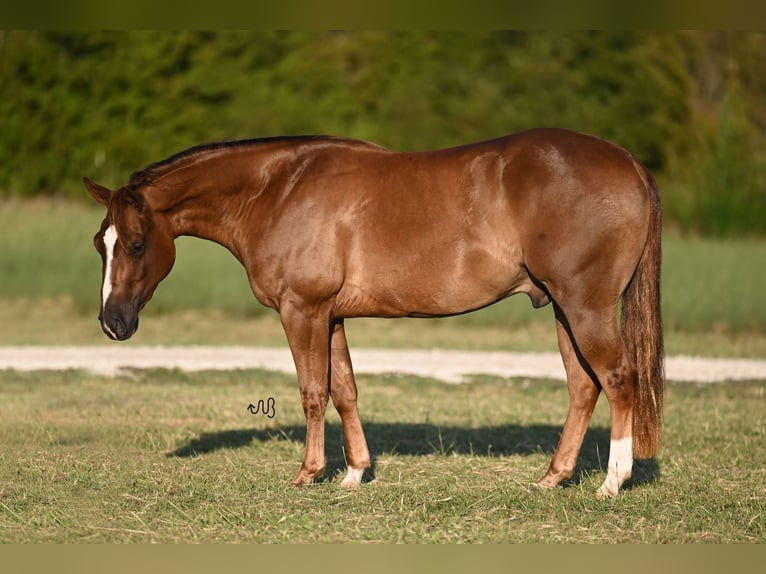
(148, 175)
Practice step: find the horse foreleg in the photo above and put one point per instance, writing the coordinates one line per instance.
(308, 333)
(583, 394)
(344, 395)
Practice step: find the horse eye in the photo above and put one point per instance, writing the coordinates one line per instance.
(137, 248)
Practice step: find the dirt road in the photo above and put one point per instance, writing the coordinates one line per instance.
(450, 366)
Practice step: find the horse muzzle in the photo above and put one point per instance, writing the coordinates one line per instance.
(120, 323)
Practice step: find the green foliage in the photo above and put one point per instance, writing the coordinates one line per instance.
(104, 104)
(731, 179)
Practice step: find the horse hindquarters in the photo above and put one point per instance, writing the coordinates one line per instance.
(591, 272)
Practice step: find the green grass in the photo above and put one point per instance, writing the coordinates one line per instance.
(162, 456)
(713, 300)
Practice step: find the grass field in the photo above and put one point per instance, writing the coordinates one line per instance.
(50, 275)
(161, 456)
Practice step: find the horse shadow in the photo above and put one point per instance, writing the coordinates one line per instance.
(427, 439)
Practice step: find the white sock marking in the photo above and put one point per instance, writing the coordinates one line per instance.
(353, 477)
(110, 240)
(620, 466)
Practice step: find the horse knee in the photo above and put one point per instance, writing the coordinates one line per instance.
(314, 403)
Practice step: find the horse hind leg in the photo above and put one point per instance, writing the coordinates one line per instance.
(619, 388)
(601, 351)
(583, 395)
(344, 396)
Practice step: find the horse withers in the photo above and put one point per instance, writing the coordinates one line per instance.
(330, 228)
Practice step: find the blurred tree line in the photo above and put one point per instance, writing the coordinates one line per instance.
(690, 105)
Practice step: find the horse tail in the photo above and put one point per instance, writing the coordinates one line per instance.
(641, 326)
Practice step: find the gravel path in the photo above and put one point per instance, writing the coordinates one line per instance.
(450, 366)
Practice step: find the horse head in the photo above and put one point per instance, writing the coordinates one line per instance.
(137, 252)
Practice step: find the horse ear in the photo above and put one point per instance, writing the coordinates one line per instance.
(99, 192)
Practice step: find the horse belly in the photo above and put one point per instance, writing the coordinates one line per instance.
(429, 284)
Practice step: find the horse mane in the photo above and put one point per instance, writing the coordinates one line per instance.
(149, 174)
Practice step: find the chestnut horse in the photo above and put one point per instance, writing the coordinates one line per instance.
(329, 229)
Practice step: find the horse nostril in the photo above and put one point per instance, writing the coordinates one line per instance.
(119, 323)
(119, 326)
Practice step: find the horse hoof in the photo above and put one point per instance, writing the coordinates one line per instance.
(604, 492)
(304, 479)
(353, 478)
(547, 482)
(350, 484)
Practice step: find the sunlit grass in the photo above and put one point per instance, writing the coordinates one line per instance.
(162, 456)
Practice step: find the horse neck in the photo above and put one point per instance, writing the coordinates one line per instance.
(208, 201)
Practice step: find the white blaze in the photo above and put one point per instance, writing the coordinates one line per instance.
(110, 239)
